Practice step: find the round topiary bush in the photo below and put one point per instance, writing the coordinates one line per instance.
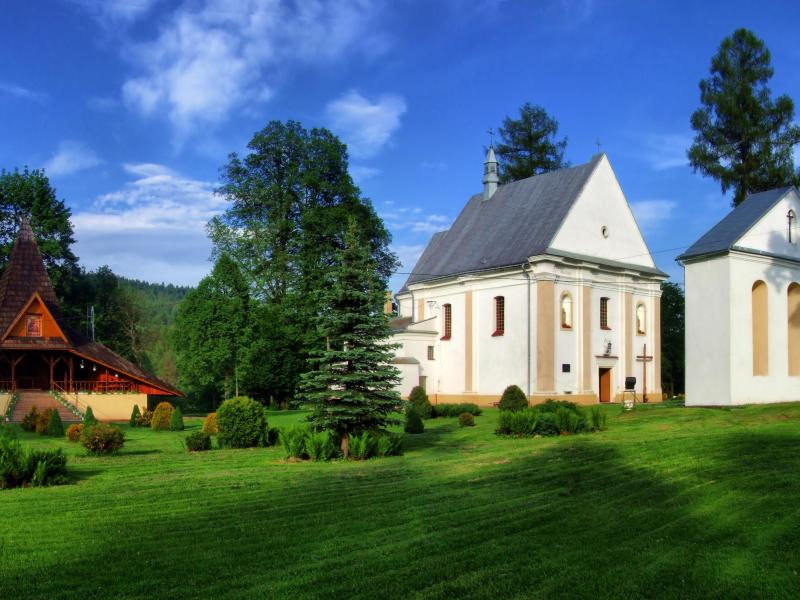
(420, 403)
(102, 438)
(161, 416)
(74, 432)
(414, 422)
(198, 441)
(242, 423)
(513, 399)
(466, 420)
(176, 420)
(210, 424)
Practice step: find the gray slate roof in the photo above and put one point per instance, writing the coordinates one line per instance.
(724, 235)
(520, 220)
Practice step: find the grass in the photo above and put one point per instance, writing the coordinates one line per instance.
(669, 502)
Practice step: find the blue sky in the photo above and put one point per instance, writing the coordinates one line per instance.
(132, 106)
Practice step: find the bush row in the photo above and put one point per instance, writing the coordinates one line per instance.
(419, 402)
(302, 442)
(554, 417)
(47, 422)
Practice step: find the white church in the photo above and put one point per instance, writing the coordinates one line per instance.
(545, 283)
(743, 305)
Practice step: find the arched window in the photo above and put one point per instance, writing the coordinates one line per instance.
(793, 304)
(499, 315)
(447, 315)
(760, 329)
(641, 319)
(791, 217)
(604, 313)
(566, 311)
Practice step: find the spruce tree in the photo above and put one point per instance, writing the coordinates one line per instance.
(176, 420)
(55, 427)
(135, 414)
(88, 417)
(352, 386)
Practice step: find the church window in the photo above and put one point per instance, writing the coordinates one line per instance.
(430, 353)
(448, 321)
(760, 329)
(641, 319)
(604, 313)
(499, 315)
(566, 311)
(791, 216)
(33, 326)
(793, 294)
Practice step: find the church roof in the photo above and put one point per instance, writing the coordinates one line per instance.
(24, 276)
(724, 235)
(520, 220)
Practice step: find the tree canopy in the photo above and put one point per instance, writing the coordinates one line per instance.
(672, 338)
(744, 137)
(528, 145)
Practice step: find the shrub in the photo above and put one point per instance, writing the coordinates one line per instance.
(161, 416)
(21, 466)
(455, 410)
(198, 441)
(553, 406)
(419, 402)
(242, 423)
(414, 422)
(210, 424)
(320, 445)
(43, 421)
(389, 444)
(466, 420)
(519, 423)
(102, 439)
(55, 427)
(29, 421)
(176, 420)
(135, 416)
(598, 418)
(513, 399)
(546, 424)
(74, 432)
(273, 436)
(88, 417)
(145, 418)
(363, 446)
(293, 440)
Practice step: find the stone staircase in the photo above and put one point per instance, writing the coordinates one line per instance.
(41, 400)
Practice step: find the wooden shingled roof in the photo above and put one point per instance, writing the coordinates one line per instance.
(24, 276)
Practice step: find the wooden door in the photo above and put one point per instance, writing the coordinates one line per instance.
(605, 385)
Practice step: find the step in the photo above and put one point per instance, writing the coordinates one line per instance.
(42, 401)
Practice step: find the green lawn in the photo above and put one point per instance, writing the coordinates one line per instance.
(669, 502)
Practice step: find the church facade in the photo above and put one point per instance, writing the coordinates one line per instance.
(743, 305)
(545, 283)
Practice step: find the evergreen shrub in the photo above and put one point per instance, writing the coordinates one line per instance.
(74, 432)
(135, 416)
(210, 424)
(162, 416)
(176, 420)
(102, 439)
(320, 445)
(20, 466)
(29, 420)
(414, 422)
(198, 441)
(294, 439)
(466, 420)
(55, 428)
(242, 423)
(43, 421)
(513, 399)
(455, 410)
(419, 402)
(88, 417)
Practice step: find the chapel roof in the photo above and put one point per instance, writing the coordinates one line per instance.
(518, 221)
(724, 235)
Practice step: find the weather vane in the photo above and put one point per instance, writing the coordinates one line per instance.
(598, 144)
(491, 137)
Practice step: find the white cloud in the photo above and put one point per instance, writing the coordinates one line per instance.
(408, 254)
(12, 89)
(652, 213)
(153, 228)
(365, 126)
(215, 56)
(71, 157)
(116, 11)
(667, 151)
(361, 173)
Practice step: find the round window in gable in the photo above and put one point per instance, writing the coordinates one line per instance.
(604, 231)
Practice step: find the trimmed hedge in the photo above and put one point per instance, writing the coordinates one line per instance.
(162, 416)
(455, 410)
(242, 423)
(513, 399)
(466, 420)
(198, 441)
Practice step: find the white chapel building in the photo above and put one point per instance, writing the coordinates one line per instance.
(545, 283)
(743, 305)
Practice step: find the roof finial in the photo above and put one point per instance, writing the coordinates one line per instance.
(491, 137)
(598, 144)
(491, 179)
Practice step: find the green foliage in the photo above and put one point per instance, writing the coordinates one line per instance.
(352, 386)
(744, 138)
(598, 418)
(43, 421)
(198, 441)
(20, 466)
(389, 444)
(553, 417)
(101, 438)
(528, 145)
(29, 420)
(88, 417)
(320, 445)
(414, 423)
(363, 446)
(419, 402)
(242, 423)
(74, 432)
(455, 410)
(518, 423)
(162, 417)
(293, 440)
(176, 420)
(55, 428)
(513, 399)
(210, 424)
(135, 416)
(673, 346)
(145, 419)
(466, 420)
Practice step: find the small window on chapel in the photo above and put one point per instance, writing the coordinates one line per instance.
(641, 319)
(499, 316)
(566, 311)
(604, 313)
(33, 326)
(431, 355)
(448, 321)
(791, 217)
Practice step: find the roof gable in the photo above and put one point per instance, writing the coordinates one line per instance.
(49, 326)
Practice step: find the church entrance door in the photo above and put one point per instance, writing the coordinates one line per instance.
(605, 385)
